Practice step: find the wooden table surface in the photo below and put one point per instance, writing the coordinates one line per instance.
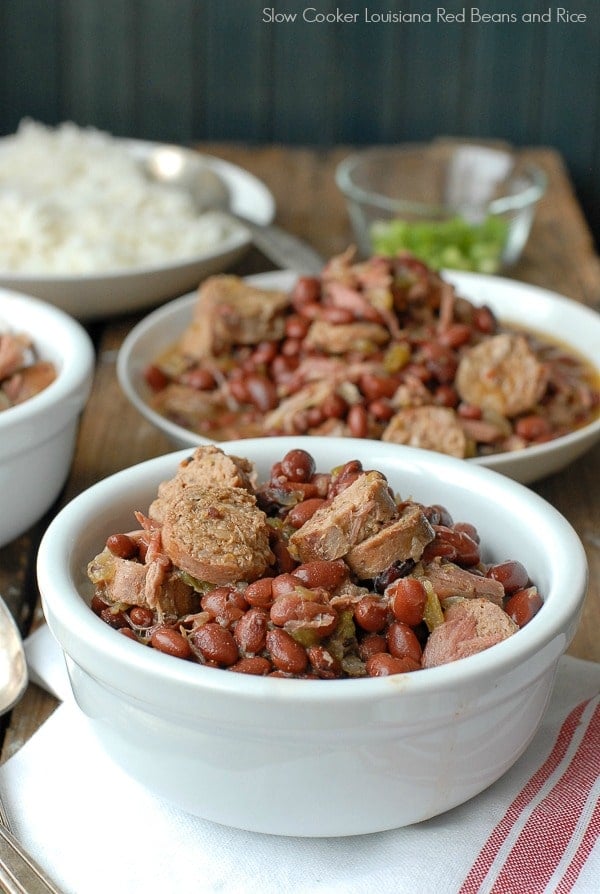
(560, 256)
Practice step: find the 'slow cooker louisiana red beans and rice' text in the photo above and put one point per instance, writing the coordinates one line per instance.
(383, 349)
(317, 574)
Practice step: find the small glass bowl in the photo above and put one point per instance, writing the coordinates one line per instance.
(461, 206)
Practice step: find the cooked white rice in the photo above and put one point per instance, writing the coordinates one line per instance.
(75, 201)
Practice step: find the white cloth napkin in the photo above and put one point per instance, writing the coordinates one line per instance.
(95, 830)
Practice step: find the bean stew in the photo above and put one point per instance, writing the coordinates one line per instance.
(311, 574)
(384, 349)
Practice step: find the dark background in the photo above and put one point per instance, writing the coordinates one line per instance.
(192, 70)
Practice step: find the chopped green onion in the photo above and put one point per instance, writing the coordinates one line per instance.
(452, 243)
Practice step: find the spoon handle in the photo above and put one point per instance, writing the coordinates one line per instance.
(19, 873)
(285, 250)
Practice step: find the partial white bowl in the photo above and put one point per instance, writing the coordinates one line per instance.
(534, 308)
(37, 437)
(318, 757)
(101, 295)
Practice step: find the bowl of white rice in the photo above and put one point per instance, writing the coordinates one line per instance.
(83, 227)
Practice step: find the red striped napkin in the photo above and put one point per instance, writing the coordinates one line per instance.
(547, 833)
(95, 830)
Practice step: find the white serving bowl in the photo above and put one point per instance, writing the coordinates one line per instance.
(37, 437)
(513, 302)
(98, 295)
(308, 757)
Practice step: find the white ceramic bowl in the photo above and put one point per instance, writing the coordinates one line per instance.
(37, 437)
(316, 757)
(99, 295)
(512, 301)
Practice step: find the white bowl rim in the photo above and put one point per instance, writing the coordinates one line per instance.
(497, 461)
(76, 350)
(60, 595)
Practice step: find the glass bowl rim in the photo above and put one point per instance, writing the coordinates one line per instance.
(501, 205)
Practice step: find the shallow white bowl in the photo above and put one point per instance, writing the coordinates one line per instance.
(307, 757)
(100, 295)
(37, 437)
(515, 302)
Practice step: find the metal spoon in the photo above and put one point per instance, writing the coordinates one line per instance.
(186, 170)
(19, 873)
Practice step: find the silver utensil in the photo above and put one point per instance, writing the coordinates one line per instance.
(186, 170)
(19, 873)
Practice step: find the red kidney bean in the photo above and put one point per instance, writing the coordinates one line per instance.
(344, 477)
(170, 641)
(265, 352)
(301, 512)
(408, 598)
(532, 427)
(453, 545)
(286, 654)
(314, 416)
(294, 607)
(374, 387)
(284, 561)
(155, 378)
(455, 335)
(296, 326)
(238, 390)
(484, 320)
(251, 630)
(122, 546)
(114, 617)
(282, 368)
(291, 347)
(298, 465)
(445, 396)
(306, 290)
(325, 665)
(337, 315)
(383, 665)
(511, 574)
(260, 593)
(438, 515)
(469, 411)
(523, 605)
(310, 310)
(381, 410)
(402, 642)
(261, 392)
(128, 632)
(320, 573)
(467, 528)
(358, 421)
(371, 613)
(256, 665)
(141, 616)
(224, 605)
(283, 584)
(199, 379)
(372, 644)
(216, 643)
(98, 605)
(334, 406)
